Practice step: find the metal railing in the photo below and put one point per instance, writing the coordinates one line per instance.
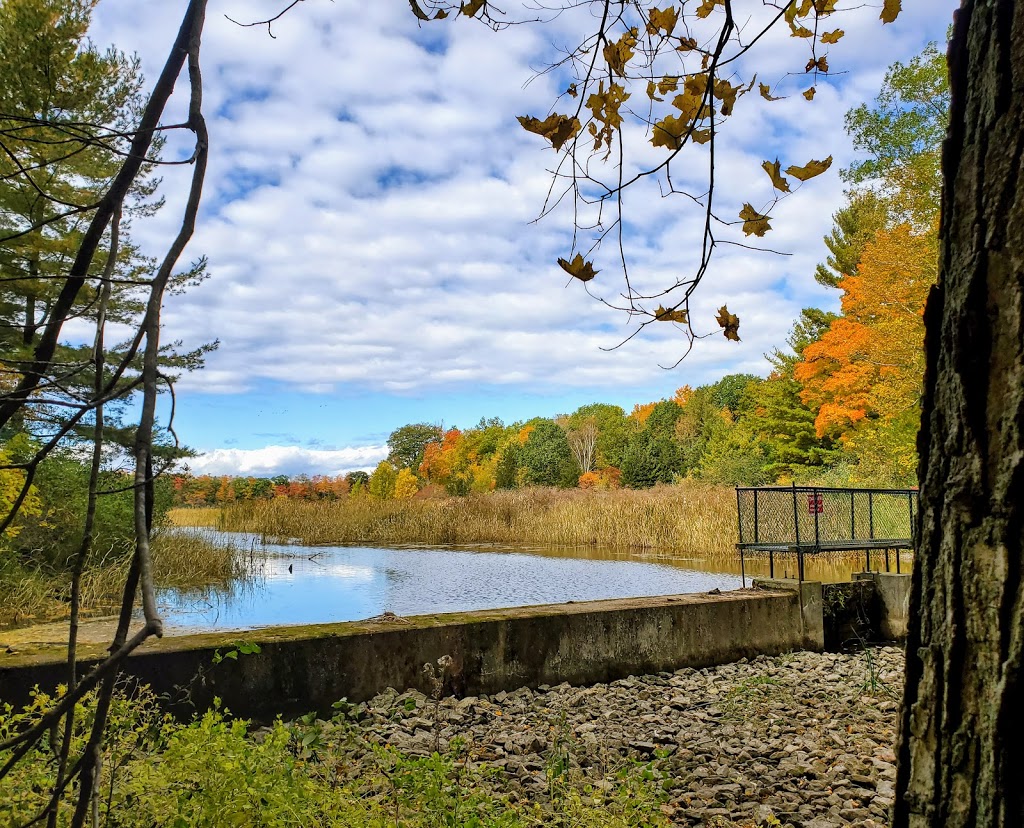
(811, 519)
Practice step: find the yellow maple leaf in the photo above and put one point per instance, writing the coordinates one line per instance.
(686, 44)
(582, 270)
(809, 93)
(662, 20)
(619, 53)
(730, 323)
(669, 83)
(832, 37)
(471, 7)
(668, 132)
(708, 6)
(810, 169)
(775, 174)
(753, 222)
(890, 10)
(766, 93)
(556, 128)
(691, 106)
(416, 10)
(726, 93)
(671, 315)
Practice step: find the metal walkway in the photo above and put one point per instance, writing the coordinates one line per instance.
(807, 520)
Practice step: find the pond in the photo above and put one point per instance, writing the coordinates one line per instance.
(293, 584)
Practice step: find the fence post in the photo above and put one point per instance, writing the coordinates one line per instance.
(817, 533)
(853, 525)
(796, 518)
(757, 522)
(739, 514)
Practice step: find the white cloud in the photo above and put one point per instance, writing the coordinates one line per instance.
(368, 205)
(287, 460)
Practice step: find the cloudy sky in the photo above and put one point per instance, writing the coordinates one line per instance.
(369, 223)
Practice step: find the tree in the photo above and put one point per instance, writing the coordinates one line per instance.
(406, 484)
(613, 431)
(654, 454)
(408, 443)
(863, 376)
(732, 392)
(855, 225)
(382, 482)
(902, 133)
(546, 458)
(583, 443)
(961, 745)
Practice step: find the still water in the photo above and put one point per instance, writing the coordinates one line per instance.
(294, 584)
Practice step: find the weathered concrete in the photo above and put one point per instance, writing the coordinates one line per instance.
(851, 613)
(304, 668)
(893, 592)
(809, 594)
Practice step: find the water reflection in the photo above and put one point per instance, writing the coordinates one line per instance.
(308, 585)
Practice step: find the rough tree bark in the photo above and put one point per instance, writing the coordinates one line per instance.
(961, 748)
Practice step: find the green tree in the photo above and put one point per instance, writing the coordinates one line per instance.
(506, 473)
(735, 457)
(654, 455)
(614, 429)
(732, 392)
(408, 443)
(855, 224)
(546, 458)
(902, 135)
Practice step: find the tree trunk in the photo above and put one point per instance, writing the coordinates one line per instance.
(961, 747)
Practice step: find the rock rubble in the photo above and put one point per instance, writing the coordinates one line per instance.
(803, 739)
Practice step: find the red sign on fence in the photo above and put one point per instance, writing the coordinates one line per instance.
(815, 504)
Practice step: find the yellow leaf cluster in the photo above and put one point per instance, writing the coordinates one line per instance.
(619, 53)
(662, 20)
(605, 108)
(556, 128)
(671, 315)
(667, 84)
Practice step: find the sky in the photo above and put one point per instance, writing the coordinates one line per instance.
(370, 223)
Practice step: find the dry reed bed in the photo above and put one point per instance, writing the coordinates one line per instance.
(696, 519)
(182, 560)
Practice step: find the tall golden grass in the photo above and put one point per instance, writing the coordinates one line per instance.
(671, 520)
(180, 559)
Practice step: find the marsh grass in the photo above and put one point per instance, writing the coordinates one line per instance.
(668, 520)
(181, 560)
(194, 516)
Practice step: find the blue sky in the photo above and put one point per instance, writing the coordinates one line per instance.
(368, 219)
